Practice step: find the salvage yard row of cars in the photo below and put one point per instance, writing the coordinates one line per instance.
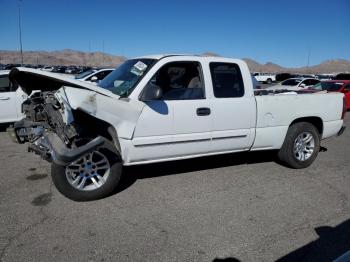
(163, 108)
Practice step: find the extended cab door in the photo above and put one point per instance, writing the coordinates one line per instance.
(233, 106)
(178, 124)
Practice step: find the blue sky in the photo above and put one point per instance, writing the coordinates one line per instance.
(278, 31)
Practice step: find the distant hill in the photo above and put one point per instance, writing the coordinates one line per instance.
(63, 57)
(329, 66)
(73, 57)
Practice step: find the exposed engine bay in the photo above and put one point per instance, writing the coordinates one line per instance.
(48, 134)
(43, 109)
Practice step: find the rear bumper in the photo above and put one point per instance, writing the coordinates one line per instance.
(341, 131)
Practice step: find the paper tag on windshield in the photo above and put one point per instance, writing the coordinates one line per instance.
(138, 68)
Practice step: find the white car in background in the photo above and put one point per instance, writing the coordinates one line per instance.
(265, 77)
(94, 75)
(11, 99)
(47, 68)
(295, 84)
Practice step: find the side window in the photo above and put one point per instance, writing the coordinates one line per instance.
(180, 81)
(227, 80)
(4, 84)
(347, 88)
(310, 82)
(102, 75)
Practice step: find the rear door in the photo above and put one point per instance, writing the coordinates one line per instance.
(233, 107)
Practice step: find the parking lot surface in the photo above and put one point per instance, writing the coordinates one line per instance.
(236, 207)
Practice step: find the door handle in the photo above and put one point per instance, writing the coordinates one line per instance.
(4, 98)
(203, 111)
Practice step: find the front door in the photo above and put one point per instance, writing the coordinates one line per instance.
(179, 124)
(8, 111)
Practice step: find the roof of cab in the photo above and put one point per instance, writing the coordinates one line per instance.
(160, 56)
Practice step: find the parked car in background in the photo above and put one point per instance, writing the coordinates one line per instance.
(47, 68)
(342, 76)
(283, 76)
(265, 77)
(59, 69)
(11, 99)
(71, 70)
(295, 84)
(324, 77)
(10, 66)
(342, 86)
(94, 75)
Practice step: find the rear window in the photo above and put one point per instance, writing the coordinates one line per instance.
(291, 82)
(227, 80)
(329, 86)
(4, 84)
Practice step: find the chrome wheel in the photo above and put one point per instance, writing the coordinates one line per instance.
(304, 146)
(89, 172)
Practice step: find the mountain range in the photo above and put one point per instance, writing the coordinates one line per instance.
(73, 57)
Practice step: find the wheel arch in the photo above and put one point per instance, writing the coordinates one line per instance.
(97, 127)
(314, 120)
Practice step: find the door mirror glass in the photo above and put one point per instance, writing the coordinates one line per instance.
(151, 92)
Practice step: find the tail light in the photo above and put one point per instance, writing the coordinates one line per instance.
(344, 108)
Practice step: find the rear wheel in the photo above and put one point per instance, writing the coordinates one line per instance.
(269, 81)
(301, 145)
(93, 176)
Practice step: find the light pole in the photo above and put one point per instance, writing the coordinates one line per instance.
(20, 29)
(308, 58)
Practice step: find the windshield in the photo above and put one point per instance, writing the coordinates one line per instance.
(329, 86)
(83, 74)
(125, 77)
(291, 82)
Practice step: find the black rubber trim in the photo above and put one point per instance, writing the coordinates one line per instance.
(63, 155)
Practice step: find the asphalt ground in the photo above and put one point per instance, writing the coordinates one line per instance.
(236, 207)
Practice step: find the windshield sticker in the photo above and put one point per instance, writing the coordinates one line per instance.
(138, 68)
(117, 83)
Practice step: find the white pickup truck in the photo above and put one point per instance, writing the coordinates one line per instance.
(265, 77)
(162, 108)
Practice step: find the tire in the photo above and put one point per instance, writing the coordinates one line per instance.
(269, 81)
(292, 150)
(102, 188)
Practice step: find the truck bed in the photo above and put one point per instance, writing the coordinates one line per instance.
(277, 110)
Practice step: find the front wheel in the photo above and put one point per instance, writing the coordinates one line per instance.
(301, 145)
(269, 81)
(91, 177)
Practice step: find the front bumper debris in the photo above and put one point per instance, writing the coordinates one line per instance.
(51, 148)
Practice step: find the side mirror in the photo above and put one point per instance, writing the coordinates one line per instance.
(151, 92)
(94, 79)
(302, 85)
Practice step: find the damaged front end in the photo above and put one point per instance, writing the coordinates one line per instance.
(47, 131)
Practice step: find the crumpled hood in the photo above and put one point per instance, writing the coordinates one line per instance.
(33, 79)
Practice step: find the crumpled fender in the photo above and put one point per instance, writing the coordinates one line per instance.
(122, 114)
